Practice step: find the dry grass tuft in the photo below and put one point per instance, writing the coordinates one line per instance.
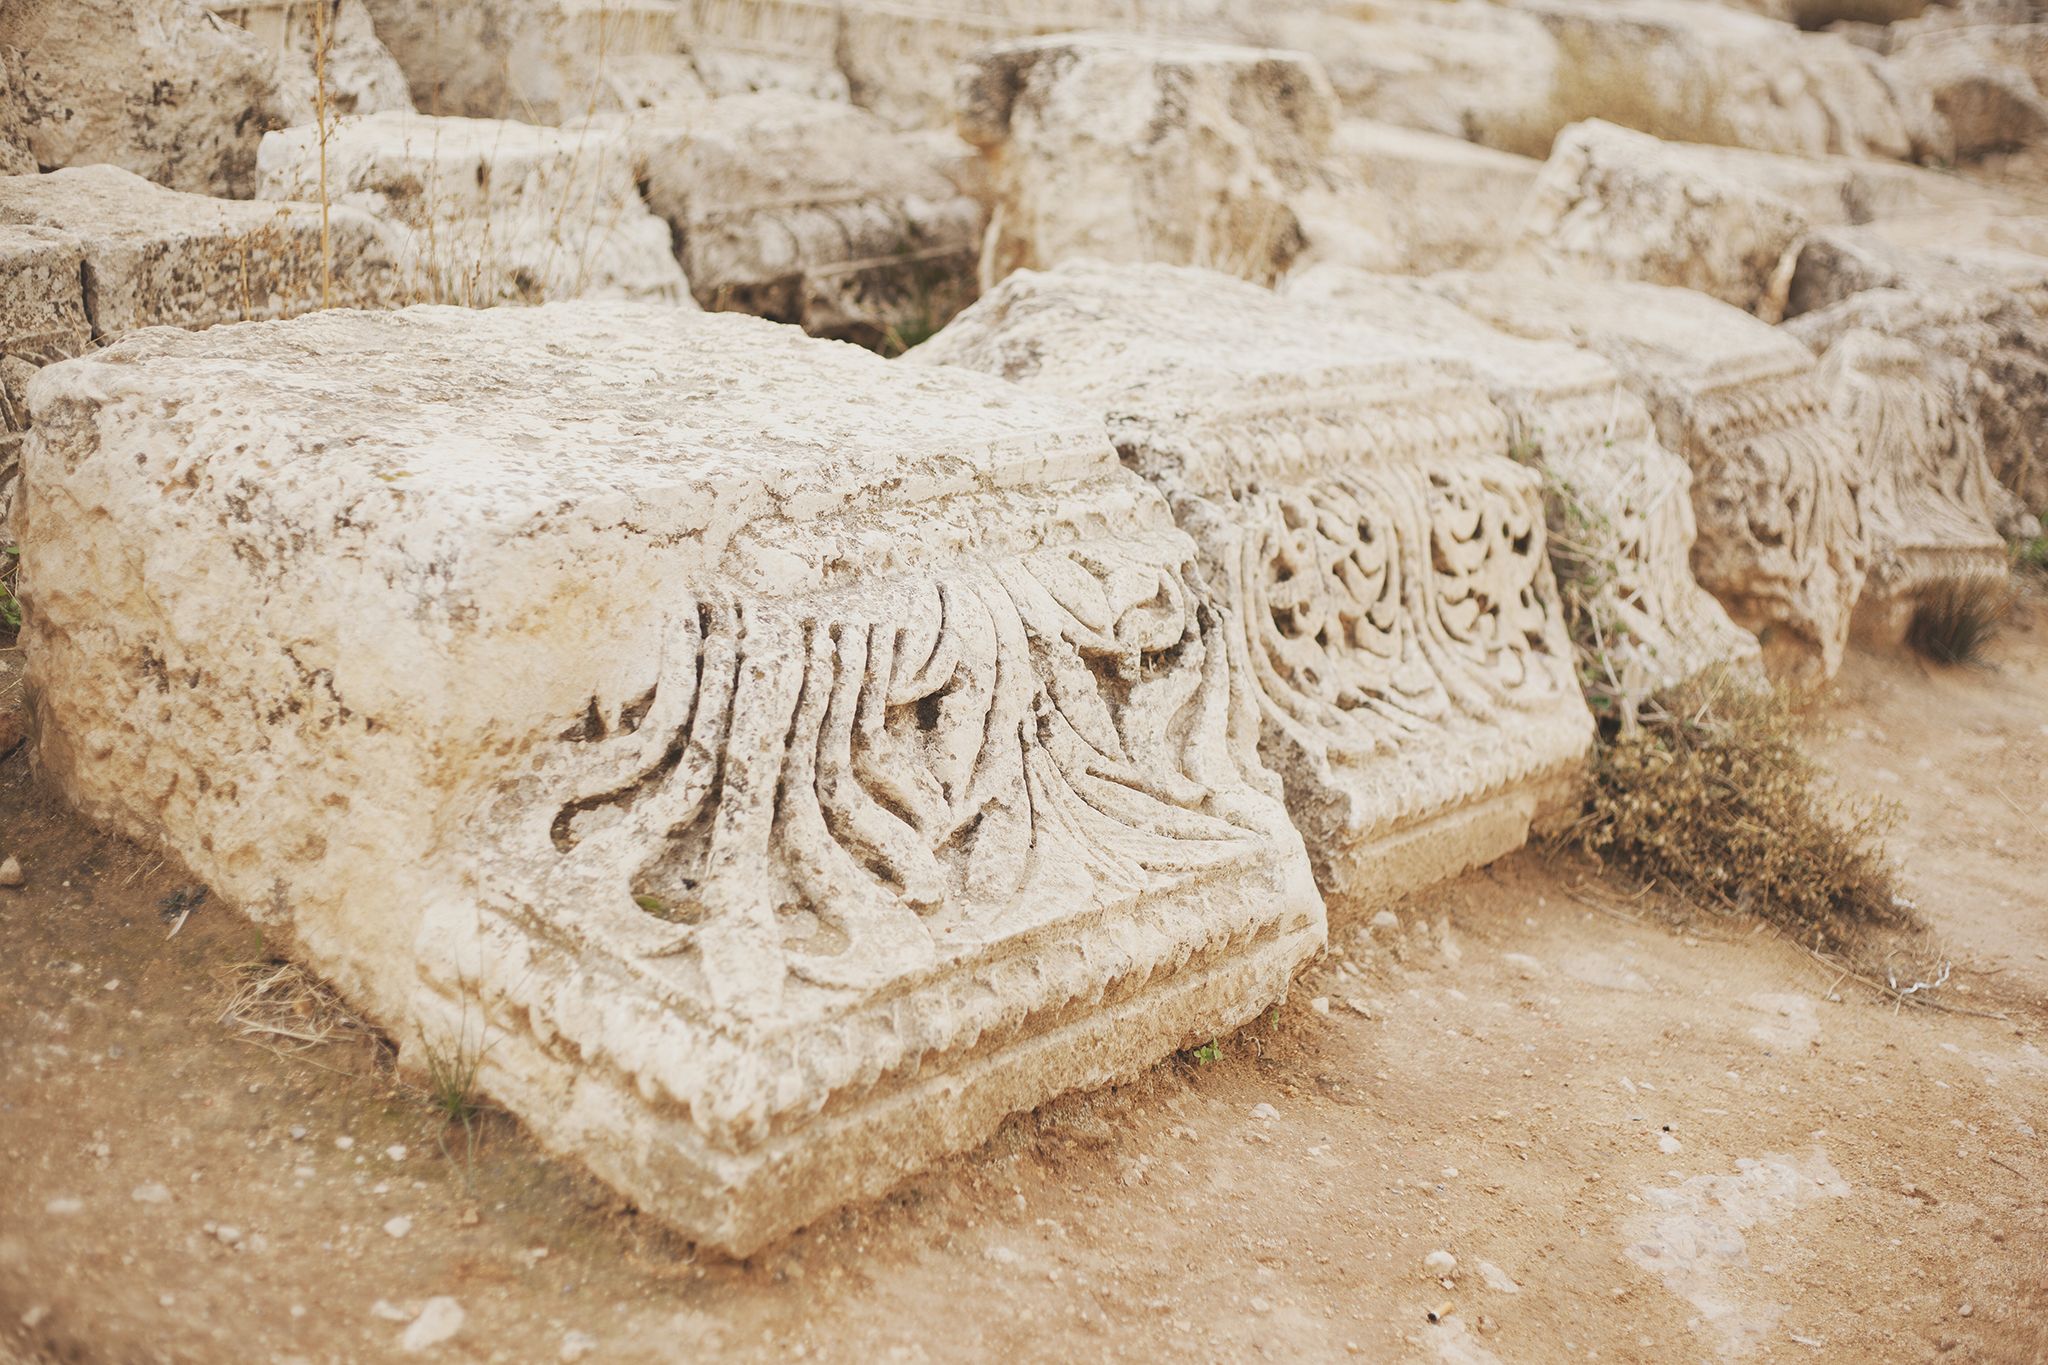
(1956, 623)
(1710, 794)
(285, 1009)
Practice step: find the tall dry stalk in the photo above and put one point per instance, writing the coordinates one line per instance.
(320, 38)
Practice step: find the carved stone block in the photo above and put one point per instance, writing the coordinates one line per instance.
(2002, 344)
(1778, 491)
(486, 211)
(1137, 149)
(1380, 560)
(1624, 499)
(811, 212)
(769, 766)
(741, 46)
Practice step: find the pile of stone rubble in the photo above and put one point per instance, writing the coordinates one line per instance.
(774, 763)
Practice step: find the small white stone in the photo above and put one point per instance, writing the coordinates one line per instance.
(440, 1319)
(389, 1311)
(1386, 921)
(1497, 1279)
(1265, 1112)
(1321, 1004)
(1261, 1304)
(576, 1345)
(298, 1132)
(1450, 1172)
(344, 1142)
(227, 1234)
(1965, 1310)
(63, 1206)
(398, 1227)
(1669, 1145)
(10, 873)
(1440, 1263)
(396, 1151)
(151, 1194)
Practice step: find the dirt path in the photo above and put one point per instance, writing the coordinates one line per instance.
(1639, 1142)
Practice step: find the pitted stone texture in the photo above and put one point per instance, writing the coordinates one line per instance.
(17, 157)
(157, 87)
(810, 212)
(1934, 506)
(742, 46)
(1379, 557)
(540, 61)
(1568, 411)
(1694, 71)
(1777, 489)
(773, 765)
(1397, 199)
(1836, 263)
(360, 74)
(486, 211)
(1466, 69)
(2003, 343)
(1133, 149)
(42, 319)
(152, 256)
(1615, 205)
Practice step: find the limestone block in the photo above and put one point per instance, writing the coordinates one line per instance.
(1378, 557)
(772, 766)
(541, 61)
(42, 319)
(811, 212)
(17, 157)
(361, 75)
(1623, 500)
(486, 211)
(2001, 341)
(1402, 200)
(741, 46)
(1988, 82)
(900, 56)
(1612, 205)
(1466, 69)
(152, 256)
(1835, 263)
(1134, 149)
(157, 87)
(1934, 507)
(1778, 492)
(1693, 71)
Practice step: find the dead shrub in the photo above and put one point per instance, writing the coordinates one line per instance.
(1709, 793)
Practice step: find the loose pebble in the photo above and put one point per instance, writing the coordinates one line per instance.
(398, 1227)
(1669, 1145)
(10, 873)
(576, 1345)
(1265, 1112)
(439, 1320)
(344, 1142)
(151, 1194)
(1440, 1263)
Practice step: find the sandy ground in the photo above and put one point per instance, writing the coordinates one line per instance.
(1641, 1140)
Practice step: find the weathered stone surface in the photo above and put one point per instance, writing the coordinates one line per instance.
(487, 211)
(1379, 558)
(1693, 71)
(1461, 68)
(1777, 489)
(1398, 199)
(748, 751)
(541, 61)
(741, 46)
(157, 87)
(17, 157)
(1135, 149)
(900, 56)
(360, 74)
(1624, 500)
(1985, 80)
(1613, 204)
(811, 212)
(152, 256)
(2003, 343)
(42, 319)
(1934, 506)
(1835, 263)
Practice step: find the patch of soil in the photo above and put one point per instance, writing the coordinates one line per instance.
(1644, 1134)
